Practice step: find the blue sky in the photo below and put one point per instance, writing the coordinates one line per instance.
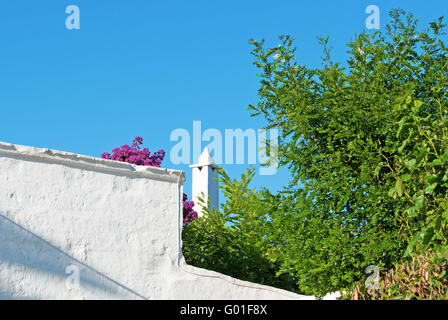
(145, 68)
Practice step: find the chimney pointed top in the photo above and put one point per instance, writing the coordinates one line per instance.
(205, 159)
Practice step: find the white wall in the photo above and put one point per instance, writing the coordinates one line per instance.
(119, 224)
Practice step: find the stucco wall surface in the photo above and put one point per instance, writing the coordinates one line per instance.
(114, 226)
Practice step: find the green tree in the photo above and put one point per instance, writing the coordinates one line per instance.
(353, 137)
(366, 143)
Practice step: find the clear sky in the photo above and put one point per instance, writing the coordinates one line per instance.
(145, 68)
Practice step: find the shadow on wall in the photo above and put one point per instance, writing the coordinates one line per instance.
(26, 259)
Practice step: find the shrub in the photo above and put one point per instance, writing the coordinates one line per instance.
(135, 155)
(367, 148)
(232, 239)
(422, 277)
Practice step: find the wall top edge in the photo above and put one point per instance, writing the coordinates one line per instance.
(88, 162)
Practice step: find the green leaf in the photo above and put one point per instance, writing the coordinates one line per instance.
(437, 162)
(419, 202)
(445, 155)
(445, 214)
(403, 145)
(392, 193)
(431, 178)
(406, 177)
(378, 168)
(400, 126)
(410, 164)
(412, 211)
(438, 223)
(417, 104)
(411, 246)
(399, 188)
(429, 188)
(428, 235)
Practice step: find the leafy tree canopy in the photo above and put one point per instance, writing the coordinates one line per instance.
(366, 143)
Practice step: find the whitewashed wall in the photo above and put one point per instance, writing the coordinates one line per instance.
(118, 224)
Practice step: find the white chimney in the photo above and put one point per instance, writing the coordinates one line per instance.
(204, 183)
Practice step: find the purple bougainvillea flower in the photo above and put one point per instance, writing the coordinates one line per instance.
(105, 155)
(188, 212)
(138, 140)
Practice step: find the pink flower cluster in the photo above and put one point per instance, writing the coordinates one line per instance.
(134, 154)
(189, 213)
(142, 157)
